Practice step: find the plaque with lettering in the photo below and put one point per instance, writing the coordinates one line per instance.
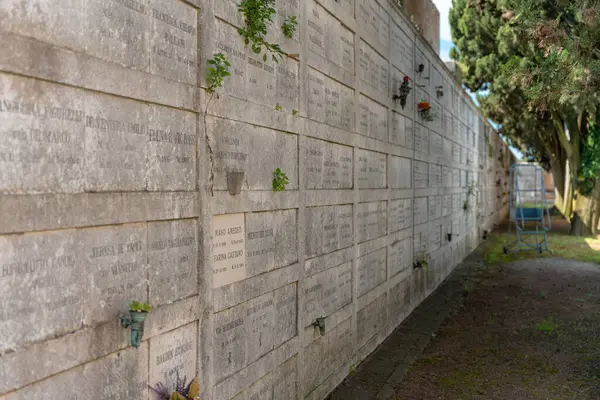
(421, 174)
(371, 270)
(402, 54)
(329, 101)
(399, 170)
(399, 256)
(375, 20)
(173, 354)
(369, 319)
(327, 292)
(42, 283)
(229, 251)
(435, 175)
(421, 138)
(421, 210)
(372, 119)
(372, 220)
(172, 260)
(371, 169)
(329, 38)
(373, 69)
(117, 264)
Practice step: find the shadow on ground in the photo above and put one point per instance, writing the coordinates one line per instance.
(520, 327)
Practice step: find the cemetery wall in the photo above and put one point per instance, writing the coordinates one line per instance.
(114, 187)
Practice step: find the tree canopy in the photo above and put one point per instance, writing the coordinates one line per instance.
(539, 62)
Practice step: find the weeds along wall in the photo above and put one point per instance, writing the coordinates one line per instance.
(116, 186)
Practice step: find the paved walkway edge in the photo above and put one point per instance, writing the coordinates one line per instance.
(378, 376)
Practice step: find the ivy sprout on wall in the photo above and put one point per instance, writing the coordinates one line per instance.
(289, 26)
(217, 72)
(258, 14)
(280, 179)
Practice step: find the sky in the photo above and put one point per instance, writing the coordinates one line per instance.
(446, 44)
(443, 7)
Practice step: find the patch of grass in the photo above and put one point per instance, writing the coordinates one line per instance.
(467, 289)
(542, 294)
(464, 382)
(548, 325)
(585, 249)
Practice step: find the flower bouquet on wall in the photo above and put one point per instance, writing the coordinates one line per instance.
(404, 92)
(424, 109)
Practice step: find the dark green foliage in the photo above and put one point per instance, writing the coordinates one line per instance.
(137, 306)
(289, 26)
(280, 179)
(590, 160)
(217, 72)
(258, 15)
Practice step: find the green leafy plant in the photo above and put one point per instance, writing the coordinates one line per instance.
(191, 391)
(139, 307)
(218, 70)
(280, 179)
(294, 112)
(289, 26)
(258, 14)
(548, 325)
(421, 260)
(278, 107)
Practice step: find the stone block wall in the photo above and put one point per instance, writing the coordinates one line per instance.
(106, 195)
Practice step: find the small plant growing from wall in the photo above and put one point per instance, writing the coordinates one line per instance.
(294, 112)
(182, 391)
(278, 107)
(258, 14)
(218, 70)
(404, 92)
(289, 26)
(280, 179)
(421, 260)
(424, 109)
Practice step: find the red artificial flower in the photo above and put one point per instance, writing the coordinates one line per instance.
(423, 105)
(406, 78)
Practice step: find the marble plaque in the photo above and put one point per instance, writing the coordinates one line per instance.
(447, 145)
(250, 330)
(256, 151)
(327, 165)
(402, 50)
(446, 205)
(120, 375)
(277, 384)
(229, 252)
(253, 78)
(371, 169)
(436, 144)
(43, 283)
(151, 36)
(329, 38)
(172, 260)
(435, 207)
(399, 256)
(372, 119)
(329, 228)
(173, 354)
(435, 238)
(446, 176)
(375, 20)
(456, 153)
(42, 137)
(373, 69)
(324, 355)
(327, 292)
(420, 174)
(421, 210)
(399, 170)
(421, 138)
(271, 241)
(455, 177)
(117, 266)
(435, 176)
(422, 78)
(329, 101)
(371, 270)
(399, 298)
(401, 132)
(400, 214)
(371, 319)
(371, 220)
(70, 140)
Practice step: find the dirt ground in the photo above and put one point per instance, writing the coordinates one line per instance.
(526, 330)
